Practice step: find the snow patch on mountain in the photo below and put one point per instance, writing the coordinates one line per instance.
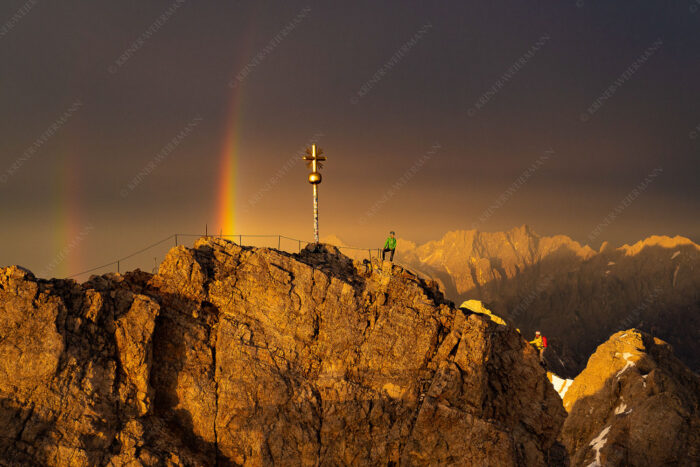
(597, 444)
(627, 356)
(560, 385)
(622, 409)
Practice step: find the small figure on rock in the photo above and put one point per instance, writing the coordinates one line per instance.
(540, 343)
(390, 245)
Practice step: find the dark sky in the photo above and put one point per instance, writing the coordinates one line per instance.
(604, 95)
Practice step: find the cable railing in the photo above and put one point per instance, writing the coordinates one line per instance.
(175, 238)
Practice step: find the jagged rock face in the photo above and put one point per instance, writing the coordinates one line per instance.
(248, 356)
(635, 404)
(575, 296)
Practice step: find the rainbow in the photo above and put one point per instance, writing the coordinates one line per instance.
(226, 188)
(225, 214)
(226, 195)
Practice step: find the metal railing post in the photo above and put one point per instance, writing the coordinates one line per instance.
(279, 242)
(175, 239)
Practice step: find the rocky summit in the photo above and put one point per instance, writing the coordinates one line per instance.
(635, 404)
(234, 355)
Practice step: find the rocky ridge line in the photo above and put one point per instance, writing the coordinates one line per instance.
(234, 355)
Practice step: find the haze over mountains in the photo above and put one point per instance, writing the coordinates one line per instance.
(575, 295)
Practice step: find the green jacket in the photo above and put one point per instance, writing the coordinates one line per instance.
(390, 243)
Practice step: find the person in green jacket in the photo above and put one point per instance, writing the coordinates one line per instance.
(390, 245)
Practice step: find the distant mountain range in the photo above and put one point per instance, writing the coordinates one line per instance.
(575, 295)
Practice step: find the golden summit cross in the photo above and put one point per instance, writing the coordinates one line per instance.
(313, 160)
